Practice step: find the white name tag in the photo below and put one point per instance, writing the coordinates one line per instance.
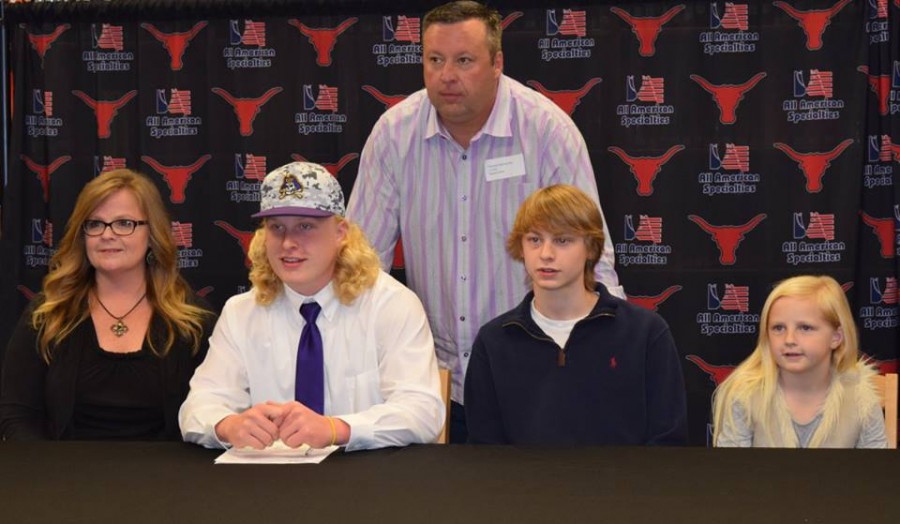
(504, 167)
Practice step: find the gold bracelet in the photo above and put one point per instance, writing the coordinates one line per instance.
(333, 431)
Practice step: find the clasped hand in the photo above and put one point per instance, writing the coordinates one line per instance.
(261, 425)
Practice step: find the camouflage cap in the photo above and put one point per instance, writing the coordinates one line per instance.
(300, 189)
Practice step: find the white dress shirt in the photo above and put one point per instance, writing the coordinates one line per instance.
(380, 370)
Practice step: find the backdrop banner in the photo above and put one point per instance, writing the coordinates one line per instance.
(734, 143)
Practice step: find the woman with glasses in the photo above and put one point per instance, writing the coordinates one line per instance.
(108, 347)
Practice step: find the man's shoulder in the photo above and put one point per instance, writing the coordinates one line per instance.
(242, 304)
(638, 315)
(532, 103)
(406, 111)
(385, 290)
(627, 313)
(497, 325)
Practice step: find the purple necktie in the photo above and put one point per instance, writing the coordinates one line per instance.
(309, 387)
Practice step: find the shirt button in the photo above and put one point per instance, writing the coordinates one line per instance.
(465, 157)
(462, 318)
(465, 197)
(466, 354)
(463, 277)
(464, 238)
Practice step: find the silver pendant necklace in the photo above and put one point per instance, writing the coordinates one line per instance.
(120, 328)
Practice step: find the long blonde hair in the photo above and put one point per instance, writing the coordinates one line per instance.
(355, 270)
(71, 278)
(754, 383)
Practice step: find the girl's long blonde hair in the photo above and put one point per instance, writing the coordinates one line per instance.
(64, 302)
(754, 383)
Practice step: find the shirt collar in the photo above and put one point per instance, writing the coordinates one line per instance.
(326, 299)
(499, 123)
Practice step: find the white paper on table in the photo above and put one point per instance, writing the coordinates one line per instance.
(277, 453)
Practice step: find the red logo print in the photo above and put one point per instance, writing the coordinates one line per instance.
(813, 165)
(510, 18)
(645, 168)
(389, 101)
(717, 374)
(43, 172)
(183, 233)
(333, 168)
(176, 177)
(648, 28)
(323, 39)
(728, 96)
(243, 237)
(175, 43)
(27, 293)
(109, 163)
(813, 22)
(884, 230)
(111, 37)
(737, 158)
(566, 99)
(727, 238)
(881, 86)
(246, 109)
(41, 43)
(652, 302)
(105, 110)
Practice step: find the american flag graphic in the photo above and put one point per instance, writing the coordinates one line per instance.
(649, 229)
(254, 33)
(820, 226)
(886, 150)
(736, 17)
(43, 102)
(652, 90)
(327, 99)
(737, 158)
(180, 102)
(890, 294)
(111, 37)
(736, 298)
(821, 83)
(880, 8)
(110, 163)
(42, 231)
(574, 23)
(254, 167)
(408, 29)
(183, 233)
(48, 238)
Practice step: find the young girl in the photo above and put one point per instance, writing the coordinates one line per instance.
(804, 385)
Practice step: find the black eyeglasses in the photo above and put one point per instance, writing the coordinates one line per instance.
(122, 227)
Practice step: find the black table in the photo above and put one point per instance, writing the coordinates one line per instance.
(173, 482)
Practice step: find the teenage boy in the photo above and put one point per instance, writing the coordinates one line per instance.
(572, 364)
(325, 348)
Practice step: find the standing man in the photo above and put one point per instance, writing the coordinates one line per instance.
(326, 349)
(446, 170)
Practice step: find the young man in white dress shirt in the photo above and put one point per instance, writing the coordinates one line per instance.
(374, 379)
